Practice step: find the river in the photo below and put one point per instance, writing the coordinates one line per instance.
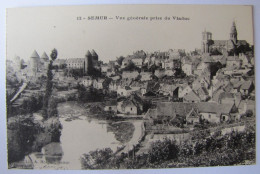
(81, 134)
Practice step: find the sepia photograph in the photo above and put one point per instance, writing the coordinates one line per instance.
(95, 87)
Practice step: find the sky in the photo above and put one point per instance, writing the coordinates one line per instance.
(45, 28)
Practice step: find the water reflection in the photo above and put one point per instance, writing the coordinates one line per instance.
(81, 135)
(123, 131)
(53, 153)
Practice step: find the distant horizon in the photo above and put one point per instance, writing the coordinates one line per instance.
(58, 27)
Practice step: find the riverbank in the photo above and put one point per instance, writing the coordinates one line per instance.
(80, 134)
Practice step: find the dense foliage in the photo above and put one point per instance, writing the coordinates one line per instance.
(89, 94)
(215, 150)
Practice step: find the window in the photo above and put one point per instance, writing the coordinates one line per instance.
(209, 116)
(131, 109)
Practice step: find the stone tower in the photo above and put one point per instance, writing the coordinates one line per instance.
(205, 44)
(233, 33)
(94, 58)
(45, 60)
(45, 57)
(88, 62)
(17, 63)
(34, 62)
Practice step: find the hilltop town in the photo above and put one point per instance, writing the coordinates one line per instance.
(174, 92)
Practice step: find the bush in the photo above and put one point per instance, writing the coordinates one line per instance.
(163, 150)
(98, 159)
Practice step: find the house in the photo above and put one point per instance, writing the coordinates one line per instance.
(126, 61)
(187, 68)
(114, 85)
(110, 72)
(138, 62)
(145, 76)
(202, 81)
(150, 86)
(125, 91)
(112, 64)
(130, 75)
(245, 60)
(87, 81)
(236, 85)
(203, 94)
(184, 90)
(111, 106)
(167, 89)
(202, 66)
(247, 87)
(129, 108)
(131, 105)
(193, 116)
(104, 68)
(165, 112)
(216, 113)
(191, 97)
(167, 64)
(246, 105)
(99, 83)
(233, 62)
(212, 112)
(159, 73)
(216, 95)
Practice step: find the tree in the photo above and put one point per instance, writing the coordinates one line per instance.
(131, 67)
(49, 84)
(162, 151)
(120, 60)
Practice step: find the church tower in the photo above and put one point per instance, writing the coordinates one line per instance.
(206, 38)
(233, 33)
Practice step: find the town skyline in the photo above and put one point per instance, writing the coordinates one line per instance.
(72, 38)
(152, 108)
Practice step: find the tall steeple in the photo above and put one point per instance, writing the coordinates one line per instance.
(233, 33)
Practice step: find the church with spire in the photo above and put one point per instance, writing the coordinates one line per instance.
(224, 47)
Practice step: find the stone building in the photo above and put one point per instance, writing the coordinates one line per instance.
(90, 61)
(208, 45)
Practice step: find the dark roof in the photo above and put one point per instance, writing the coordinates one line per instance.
(208, 107)
(111, 103)
(128, 103)
(166, 109)
(220, 42)
(179, 108)
(182, 109)
(88, 54)
(93, 53)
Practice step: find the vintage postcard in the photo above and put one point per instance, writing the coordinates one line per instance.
(130, 87)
